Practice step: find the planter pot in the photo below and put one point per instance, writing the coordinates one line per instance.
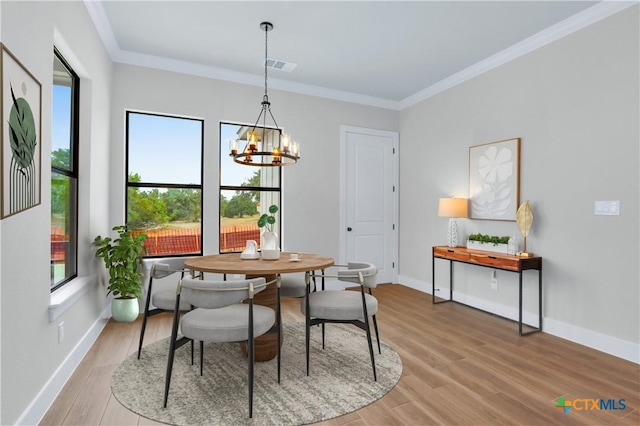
(270, 254)
(270, 250)
(125, 310)
(269, 241)
(498, 248)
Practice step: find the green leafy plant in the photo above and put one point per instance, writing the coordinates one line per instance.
(268, 220)
(489, 239)
(123, 258)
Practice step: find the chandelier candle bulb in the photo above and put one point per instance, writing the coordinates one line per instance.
(253, 138)
(276, 155)
(285, 143)
(234, 147)
(296, 149)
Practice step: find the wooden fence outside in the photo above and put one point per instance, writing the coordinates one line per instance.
(172, 241)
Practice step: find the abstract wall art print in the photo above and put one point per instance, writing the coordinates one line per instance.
(494, 180)
(20, 158)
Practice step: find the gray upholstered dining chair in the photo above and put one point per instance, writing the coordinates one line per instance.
(163, 299)
(294, 285)
(220, 316)
(343, 306)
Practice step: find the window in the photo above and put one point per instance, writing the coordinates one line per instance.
(246, 192)
(164, 182)
(64, 172)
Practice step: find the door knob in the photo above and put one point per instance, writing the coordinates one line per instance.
(349, 229)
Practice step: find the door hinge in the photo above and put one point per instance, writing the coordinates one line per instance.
(394, 188)
(393, 265)
(393, 227)
(394, 150)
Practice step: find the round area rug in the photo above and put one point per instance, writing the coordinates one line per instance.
(340, 380)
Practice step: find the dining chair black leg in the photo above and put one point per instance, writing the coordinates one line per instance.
(172, 350)
(201, 355)
(167, 381)
(322, 336)
(250, 357)
(144, 316)
(375, 326)
(144, 326)
(192, 344)
(373, 361)
(279, 330)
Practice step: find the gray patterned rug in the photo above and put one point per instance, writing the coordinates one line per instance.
(340, 381)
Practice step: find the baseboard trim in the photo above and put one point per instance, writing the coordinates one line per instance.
(601, 342)
(39, 406)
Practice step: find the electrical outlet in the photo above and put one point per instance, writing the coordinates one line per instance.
(494, 280)
(61, 332)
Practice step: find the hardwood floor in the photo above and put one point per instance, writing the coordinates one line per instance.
(461, 366)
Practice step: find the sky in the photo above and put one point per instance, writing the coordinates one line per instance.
(162, 149)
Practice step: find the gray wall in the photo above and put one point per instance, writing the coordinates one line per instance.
(575, 105)
(30, 353)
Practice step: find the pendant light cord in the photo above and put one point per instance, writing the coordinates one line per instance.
(266, 35)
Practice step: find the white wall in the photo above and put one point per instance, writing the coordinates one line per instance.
(575, 104)
(31, 354)
(310, 199)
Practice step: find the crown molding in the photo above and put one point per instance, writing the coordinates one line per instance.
(570, 25)
(99, 18)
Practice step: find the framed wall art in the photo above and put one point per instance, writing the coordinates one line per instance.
(20, 157)
(494, 180)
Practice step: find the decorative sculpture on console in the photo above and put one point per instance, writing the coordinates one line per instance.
(524, 218)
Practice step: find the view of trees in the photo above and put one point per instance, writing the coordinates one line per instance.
(59, 188)
(243, 203)
(156, 208)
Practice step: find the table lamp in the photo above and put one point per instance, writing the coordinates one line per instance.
(452, 208)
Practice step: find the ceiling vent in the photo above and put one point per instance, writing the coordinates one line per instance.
(277, 64)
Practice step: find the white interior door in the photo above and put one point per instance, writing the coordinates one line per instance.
(369, 208)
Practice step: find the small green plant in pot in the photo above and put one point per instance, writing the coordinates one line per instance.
(123, 258)
(488, 239)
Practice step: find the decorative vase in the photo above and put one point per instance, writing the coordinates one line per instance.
(270, 250)
(269, 240)
(125, 309)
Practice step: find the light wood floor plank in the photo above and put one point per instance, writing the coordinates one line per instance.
(460, 366)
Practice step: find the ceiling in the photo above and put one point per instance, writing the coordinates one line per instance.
(381, 53)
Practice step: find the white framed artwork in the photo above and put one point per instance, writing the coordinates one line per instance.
(494, 180)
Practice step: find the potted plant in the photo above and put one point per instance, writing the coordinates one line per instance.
(488, 243)
(123, 258)
(270, 250)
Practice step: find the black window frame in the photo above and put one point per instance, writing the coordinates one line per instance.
(165, 185)
(224, 152)
(74, 147)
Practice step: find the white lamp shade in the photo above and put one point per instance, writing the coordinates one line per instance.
(452, 207)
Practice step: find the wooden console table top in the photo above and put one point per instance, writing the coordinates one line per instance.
(496, 260)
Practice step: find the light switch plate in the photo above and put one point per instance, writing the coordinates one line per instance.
(607, 208)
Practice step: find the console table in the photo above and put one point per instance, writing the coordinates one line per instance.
(505, 262)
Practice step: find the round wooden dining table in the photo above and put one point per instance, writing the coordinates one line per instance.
(265, 346)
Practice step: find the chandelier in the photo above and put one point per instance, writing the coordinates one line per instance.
(269, 148)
